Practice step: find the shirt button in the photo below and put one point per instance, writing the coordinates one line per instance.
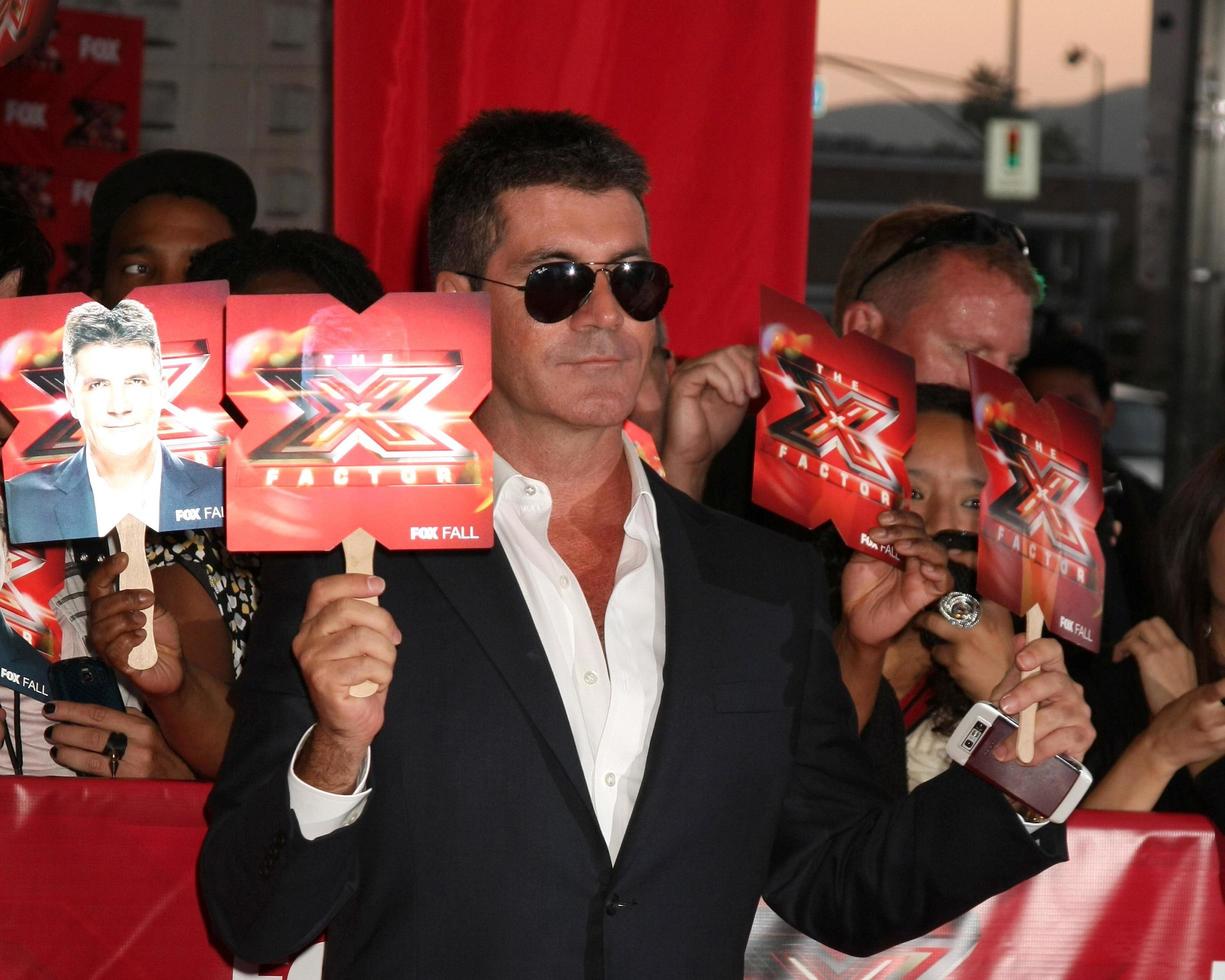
(610, 779)
(565, 581)
(530, 490)
(589, 679)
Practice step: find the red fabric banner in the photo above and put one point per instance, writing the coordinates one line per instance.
(99, 882)
(70, 113)
(716, 96)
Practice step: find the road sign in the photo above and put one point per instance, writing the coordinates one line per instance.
(1012, 159)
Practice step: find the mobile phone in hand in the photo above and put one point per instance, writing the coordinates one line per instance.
(1052, 788)
(86, 681)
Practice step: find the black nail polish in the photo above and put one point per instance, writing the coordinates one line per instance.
(54, 752)
(49, 708)
(47, 733)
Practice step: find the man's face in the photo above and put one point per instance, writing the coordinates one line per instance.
(116, 394)
(967, 309)
(586, 370)
(154, 240)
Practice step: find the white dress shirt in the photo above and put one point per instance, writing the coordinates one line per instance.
(143, 502)
(611, 693)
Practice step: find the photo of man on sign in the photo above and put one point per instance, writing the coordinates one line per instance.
(114, 387)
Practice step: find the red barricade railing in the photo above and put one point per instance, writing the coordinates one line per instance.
(98, 882)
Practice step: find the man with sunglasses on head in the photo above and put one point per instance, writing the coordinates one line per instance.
(595, 746)
(938, 282)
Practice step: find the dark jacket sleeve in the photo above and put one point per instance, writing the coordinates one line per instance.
(861, 871)
(268, 891)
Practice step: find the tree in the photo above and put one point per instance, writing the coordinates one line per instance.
(987, 92)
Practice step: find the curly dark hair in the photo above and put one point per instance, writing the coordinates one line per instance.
(338, 267)
(510, 149)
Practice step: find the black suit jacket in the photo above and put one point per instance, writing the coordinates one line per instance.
(56, 503)
(479, 854)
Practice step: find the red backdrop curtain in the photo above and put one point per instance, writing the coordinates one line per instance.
(716, 95)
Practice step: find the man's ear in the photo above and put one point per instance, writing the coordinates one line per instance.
(452, 282)
(865, 318)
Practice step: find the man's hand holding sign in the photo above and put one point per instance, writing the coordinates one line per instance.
(1038, 553)
(358, 428)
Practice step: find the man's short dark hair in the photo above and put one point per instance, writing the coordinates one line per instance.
(509, 149)
(339, 268)
(905, 283)
(1059, 349)
(129, 323)
(22, 245)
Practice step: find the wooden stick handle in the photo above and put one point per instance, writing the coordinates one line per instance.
(359, 559)
(1025, 737)
(136, 576)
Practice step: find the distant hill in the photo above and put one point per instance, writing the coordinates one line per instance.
(897, 127)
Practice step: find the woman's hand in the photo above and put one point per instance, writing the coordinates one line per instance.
(879, 599)
(79, 733)
(1190, 729)
(1167, 667)
(977, 658)
(118, 623)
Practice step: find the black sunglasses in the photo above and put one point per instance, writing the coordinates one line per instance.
(963, 228)
(556, 290)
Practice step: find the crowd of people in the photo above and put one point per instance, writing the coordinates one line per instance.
(598, 744)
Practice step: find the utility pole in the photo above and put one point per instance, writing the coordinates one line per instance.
(1014, 46)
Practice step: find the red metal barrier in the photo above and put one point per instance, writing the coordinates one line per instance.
(98, 882)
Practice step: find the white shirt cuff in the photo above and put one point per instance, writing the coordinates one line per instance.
(318, 811)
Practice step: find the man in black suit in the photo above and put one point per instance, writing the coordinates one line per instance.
(114, 387)
(601, 741)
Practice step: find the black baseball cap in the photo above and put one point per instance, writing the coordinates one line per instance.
(184, 173)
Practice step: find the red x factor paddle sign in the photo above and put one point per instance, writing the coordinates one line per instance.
(358, 422)
(1039, 510)
(840, 418)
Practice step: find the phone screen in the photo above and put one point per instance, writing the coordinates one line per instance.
(1041, 787)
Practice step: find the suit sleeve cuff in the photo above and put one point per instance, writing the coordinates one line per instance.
(319, 812)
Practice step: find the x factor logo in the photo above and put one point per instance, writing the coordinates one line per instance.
(180, 429)
(387, 413)
(1043, 496)
(838, 419)
(13, 16)
(23, 614)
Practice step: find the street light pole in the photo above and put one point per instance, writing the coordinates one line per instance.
(1075, 55)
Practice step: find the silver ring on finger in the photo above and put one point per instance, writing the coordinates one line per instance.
(960, 609)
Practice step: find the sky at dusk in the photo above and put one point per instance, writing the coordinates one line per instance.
(951, 36)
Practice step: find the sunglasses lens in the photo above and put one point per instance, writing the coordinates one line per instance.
(641, 288)
(554, 291)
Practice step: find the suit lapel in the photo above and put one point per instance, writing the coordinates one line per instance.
(691, 638)
(74, 508)
(483, 589)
